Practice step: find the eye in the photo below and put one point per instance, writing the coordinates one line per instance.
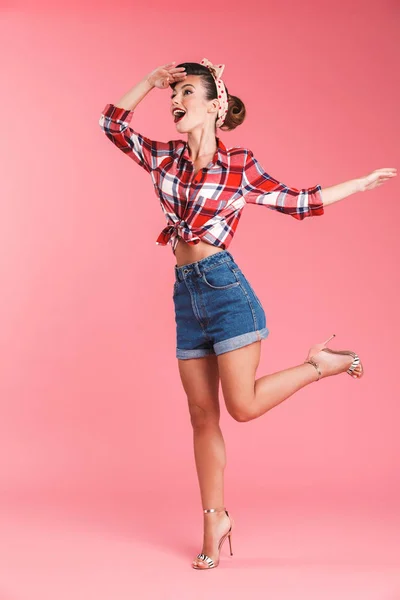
(173, 95)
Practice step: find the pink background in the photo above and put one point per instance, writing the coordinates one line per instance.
(94, 422)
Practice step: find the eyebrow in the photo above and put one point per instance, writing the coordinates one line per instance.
(186, 85)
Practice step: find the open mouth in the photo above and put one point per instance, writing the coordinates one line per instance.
(178, 115)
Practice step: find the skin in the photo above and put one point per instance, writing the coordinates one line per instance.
(246, 397)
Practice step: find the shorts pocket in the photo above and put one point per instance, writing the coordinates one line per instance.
(246, 282)
(221, 277)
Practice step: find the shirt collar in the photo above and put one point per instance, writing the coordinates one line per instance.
(220, 156)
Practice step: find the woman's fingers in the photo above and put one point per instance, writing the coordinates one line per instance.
(387, 170)
(176, 70)
(175, 76)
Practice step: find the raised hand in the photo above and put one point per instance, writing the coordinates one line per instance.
(376, 178)
(163, 76)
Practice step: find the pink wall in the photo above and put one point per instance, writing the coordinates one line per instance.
(91, 399)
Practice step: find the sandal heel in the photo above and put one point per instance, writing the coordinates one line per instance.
(230, 543)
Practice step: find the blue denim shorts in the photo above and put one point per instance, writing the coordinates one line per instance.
(216, 309)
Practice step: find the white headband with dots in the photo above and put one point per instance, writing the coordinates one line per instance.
(217, 71)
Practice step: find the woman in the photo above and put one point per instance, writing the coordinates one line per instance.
(220, 322)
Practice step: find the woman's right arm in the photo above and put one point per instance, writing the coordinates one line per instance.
(131, 99)
(115, 120)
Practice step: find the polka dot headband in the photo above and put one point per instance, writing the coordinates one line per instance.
(216, 71)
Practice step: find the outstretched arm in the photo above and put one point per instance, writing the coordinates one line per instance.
(337, 192)
(258, 187)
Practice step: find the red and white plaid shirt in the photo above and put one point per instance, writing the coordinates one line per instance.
(207, 206)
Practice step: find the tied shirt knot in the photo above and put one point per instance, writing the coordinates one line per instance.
(180, 229)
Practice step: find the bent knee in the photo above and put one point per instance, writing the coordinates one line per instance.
(240, 414)
(201, 416)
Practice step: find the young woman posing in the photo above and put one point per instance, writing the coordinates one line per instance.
(220, 322)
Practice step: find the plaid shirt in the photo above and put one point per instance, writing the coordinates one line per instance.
(207, 206)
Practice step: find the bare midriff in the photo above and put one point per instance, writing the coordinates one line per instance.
(189, 253)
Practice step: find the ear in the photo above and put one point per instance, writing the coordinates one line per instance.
(215, 105)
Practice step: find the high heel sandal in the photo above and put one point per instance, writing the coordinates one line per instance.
(206, 559)
(319, 347)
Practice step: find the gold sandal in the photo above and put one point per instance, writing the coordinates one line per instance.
(206, 559)
(319, 347)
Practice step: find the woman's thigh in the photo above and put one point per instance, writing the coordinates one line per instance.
(200, 380)
(237, 370)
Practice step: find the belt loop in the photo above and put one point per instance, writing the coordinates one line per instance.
(197, 269)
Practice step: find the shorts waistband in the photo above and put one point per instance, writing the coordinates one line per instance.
(203, 265)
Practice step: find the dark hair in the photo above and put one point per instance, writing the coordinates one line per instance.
(236, 109)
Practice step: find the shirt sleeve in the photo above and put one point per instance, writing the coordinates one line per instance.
(260, 188)
(115, 123)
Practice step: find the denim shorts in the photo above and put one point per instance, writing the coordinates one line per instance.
(216, 309)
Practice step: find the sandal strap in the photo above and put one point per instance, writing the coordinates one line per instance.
(312, 362)
(211, 510)
(354, 364)
(209, 561)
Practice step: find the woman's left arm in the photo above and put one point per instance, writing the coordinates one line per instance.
(337, 192)
(259, 187)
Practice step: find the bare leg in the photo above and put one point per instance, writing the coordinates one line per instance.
(200, 379)
(271, 390)
(247, 398)
(210, 458)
